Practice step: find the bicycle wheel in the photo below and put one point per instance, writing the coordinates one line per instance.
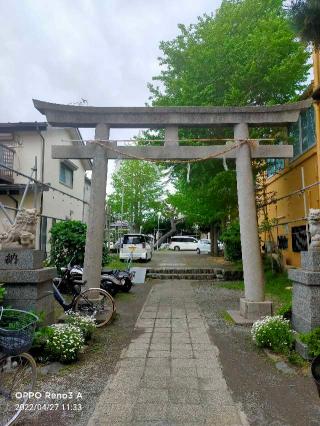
(18, 375)
(96, 303)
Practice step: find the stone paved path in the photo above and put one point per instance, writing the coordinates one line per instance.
(170, 373)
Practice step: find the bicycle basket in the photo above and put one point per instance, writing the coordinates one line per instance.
(16, 331)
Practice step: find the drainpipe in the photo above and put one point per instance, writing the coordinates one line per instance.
(42, 181)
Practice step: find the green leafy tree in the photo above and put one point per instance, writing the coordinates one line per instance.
(68, 240)
(247, 54)
(305, 16)
(138, 188)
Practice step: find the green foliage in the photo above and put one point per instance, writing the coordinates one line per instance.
(305, 17)
(312, 339)
(296, 359)
(138, 184)
(278, 287)
(68, 239)
(40, 338)
(273, 333)
(285, 310)
(232, 243)
(86, 324)
(64, 343)
(2, 292)
(247, 54)
(209, 197)
(15, 319)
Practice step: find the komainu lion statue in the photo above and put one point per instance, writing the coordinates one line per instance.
(314, 228)
(23, 232)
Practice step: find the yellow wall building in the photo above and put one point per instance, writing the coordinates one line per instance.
(295, 182)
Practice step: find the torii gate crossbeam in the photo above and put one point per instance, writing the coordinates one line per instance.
(253, 305)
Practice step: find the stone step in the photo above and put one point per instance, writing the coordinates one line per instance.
(173, 270)
(194, 274)
(172, 276)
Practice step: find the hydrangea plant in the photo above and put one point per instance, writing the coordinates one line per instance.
(64, 343)
(86, 324)
(274, 333)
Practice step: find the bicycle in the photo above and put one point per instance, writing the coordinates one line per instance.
(18, 370)
(93, 302)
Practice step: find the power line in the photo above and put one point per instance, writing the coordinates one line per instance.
(42, 184)
(42, 215)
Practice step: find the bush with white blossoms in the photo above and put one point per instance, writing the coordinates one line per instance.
(274, 333)
(64, 343)
(86, 324)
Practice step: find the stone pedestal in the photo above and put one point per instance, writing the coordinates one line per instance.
(306, 292)
(28, 284)
(255, 310)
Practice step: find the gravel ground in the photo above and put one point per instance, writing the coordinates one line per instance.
(268, 396)
(90, 374)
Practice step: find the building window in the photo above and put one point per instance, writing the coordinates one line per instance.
(302, 133)
(66, 175)
(274, 165)
(299, 238)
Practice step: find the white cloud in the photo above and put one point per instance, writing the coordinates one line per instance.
(104, 51)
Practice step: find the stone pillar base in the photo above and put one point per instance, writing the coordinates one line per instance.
(30, 290)
(250, 311)
(306, 292)
(253, 311)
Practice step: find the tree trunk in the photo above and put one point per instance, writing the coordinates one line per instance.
(172, 231)
(214, 239)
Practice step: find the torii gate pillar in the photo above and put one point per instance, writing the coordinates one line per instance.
(253, 305)
(97, 215)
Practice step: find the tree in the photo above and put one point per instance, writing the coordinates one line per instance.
(138, 192)
(68, 240)
(305, 16)
(247, 54)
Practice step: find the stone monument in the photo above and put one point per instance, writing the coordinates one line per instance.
(28, 284)
(306, 283)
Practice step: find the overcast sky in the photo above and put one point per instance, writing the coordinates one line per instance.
(104, 51)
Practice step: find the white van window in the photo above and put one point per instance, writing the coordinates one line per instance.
(133, 239)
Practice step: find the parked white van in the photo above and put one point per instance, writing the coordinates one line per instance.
(140, 246)
(183, 242)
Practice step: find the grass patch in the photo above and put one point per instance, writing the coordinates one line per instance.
(125, 296)
(278, 287)
(115, 263)
(96, 347)
(227, 317)
(231, 285)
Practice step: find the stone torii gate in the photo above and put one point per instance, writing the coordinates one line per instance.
(253, 305)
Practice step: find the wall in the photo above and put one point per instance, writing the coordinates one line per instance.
(290, 211)
(27, 146)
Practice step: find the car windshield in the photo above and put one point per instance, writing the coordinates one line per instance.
(133, 239)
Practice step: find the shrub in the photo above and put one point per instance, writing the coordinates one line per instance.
(312, 339)
(64, 343)
(39, 342)
(2, 292)
(232, 243)
(285, 310)
(274, 333)
(86, 324)
(68, 239)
